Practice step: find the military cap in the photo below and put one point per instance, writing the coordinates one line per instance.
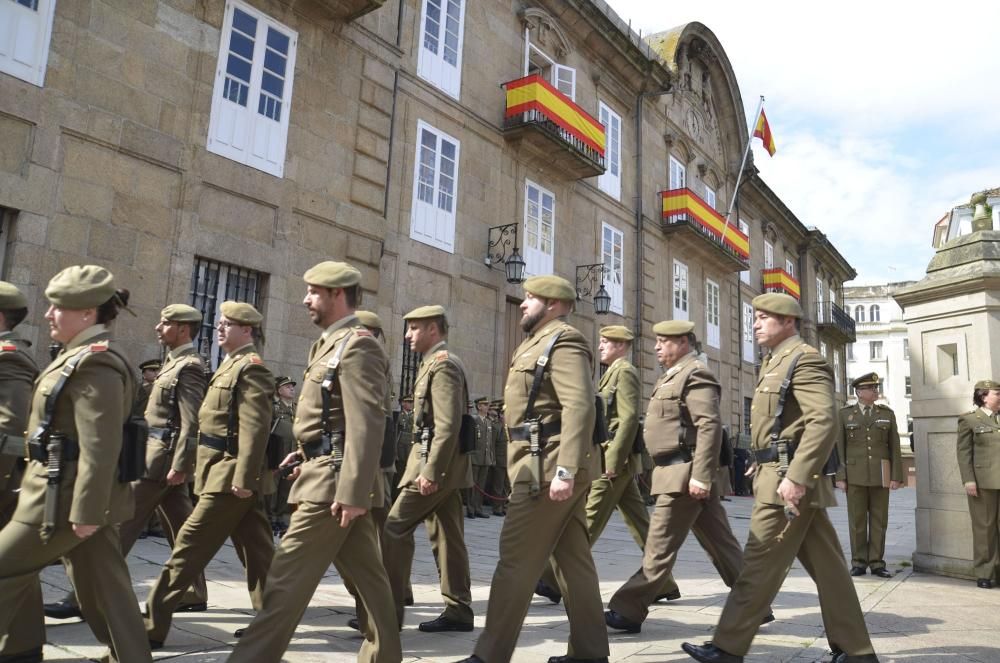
(11, 297)
(673, 328)
(866, 380)
(150, 365)
(550, 287)
(617, 333)
(282, 380)
(424, 312)
(331, 274)
(408, 397)
(987, 384)
(181, 313)
(80, 287)
(481, 399)
(369, 319)
(241, 313)
(778, 303)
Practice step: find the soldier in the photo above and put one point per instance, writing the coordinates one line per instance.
(683, 433)
(498, 482)
(404, 439)
(281, 432)
(72, 495)
(148, 371)
(482, 459)
(870, 465)
(339, 427)
(978, 449)
(794, 433)
(435, 474)
(616, 488)
(552, 461)
(234, 422)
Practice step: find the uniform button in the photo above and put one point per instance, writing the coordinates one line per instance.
(815, 476)
(302, 398)
(588, 455)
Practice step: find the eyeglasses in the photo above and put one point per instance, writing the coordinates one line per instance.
(226, 324)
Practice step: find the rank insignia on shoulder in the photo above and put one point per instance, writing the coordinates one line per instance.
(255, 359)
(8, 347)
(99, 347)
(441, 355)
(362, 331)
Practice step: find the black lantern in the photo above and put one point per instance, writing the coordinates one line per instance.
(515, 268)
(586, 279)
(498, 239)
(602, 301)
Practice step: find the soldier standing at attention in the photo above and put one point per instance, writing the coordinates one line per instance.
(552, 462)
(404, 439)
(71, 494)
(482, 459)
(790, 479)
(616, 488)
(978, 449)
(498, 482)
(148, 370)
(234, 422)
(281, 427)
(339, 427)
(868, 445)
(436, 473)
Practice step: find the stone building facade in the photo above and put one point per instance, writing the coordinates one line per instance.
(214, 149)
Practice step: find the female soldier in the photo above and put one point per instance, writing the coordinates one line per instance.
(979, 464)
(71, 494)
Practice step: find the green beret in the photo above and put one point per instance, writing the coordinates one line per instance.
(81, 286)
(241, 313)
(369, 319)
(617, 333)
(330, 274)
(673, 328)
(181, 313)
(150, 365)
(423, 312)
(778, 303)
(10, 297)
(987, 384)
(550, 287)
(865, 380)
(282, 380)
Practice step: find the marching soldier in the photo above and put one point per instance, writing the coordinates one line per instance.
(339, 429)
(234, 422)
(498, 482)
(683, 432)
(794, 433)
(552, 461)
(404, 439)
(978, 449)
(73, 493)
(482, 459)
(281, 431)
(435, 474)
(868, 447)
(148, 371)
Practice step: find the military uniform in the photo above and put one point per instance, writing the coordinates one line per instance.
(482, 459)
(89, 412)
(242, 380)
(17, 374)
(404, 440)
(281, 427)
(683, 433)
(343, 475)
(498, 482)
(865, 441)
(978, 450)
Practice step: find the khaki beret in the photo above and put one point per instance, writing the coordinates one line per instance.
(11, 297)
(865, 380)
(181, 313)
(617, 333)
(282, 380)
(331, 274)
(550, 287)
(423, 312)
(673, 328)
(369, 319)
(151, 365)
(241, 313)
(80, 287)
(987, 384)
(778, 303)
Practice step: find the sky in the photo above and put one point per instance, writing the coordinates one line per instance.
(884, 116)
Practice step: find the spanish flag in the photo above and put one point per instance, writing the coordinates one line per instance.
(763, 131)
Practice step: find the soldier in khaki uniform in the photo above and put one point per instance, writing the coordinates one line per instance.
(978, 449)
(498, 482)
(95, 389)
(683, 432)
(281, 430)
(867, 440)
(482, 459)
(436, 473)
(790, 476)
(147, 371)
(547, 515)
(229, 472)
(339, 428)
(404, 439)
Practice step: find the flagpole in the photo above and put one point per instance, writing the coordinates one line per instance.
(739, 174)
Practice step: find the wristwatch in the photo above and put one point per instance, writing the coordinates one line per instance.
(563, 474)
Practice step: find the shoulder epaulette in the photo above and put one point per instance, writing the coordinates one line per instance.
(8, 347)
(362, 331)
(100, 346)
(441, 355)
(255, 359)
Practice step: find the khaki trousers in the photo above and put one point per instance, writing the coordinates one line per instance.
(673, 517)
(442, 514)
(95, 567)
(314, 540)
(474, 494)
(215, 517)
(766, 561)
(535, 529)
(868, 517)
(499, 487)
(984, 511)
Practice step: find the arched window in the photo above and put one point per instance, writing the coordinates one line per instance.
(874, 317)
(859, 313)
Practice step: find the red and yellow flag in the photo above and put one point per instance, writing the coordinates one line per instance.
(763, 131)
(535, 93)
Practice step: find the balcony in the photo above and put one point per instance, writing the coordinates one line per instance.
(835, 321)
(554, 134)
(687, 215)
(778, 280)
(341, 10)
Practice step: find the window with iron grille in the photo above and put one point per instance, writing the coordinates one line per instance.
(408, 375)
(747, 403)
(6, 235)
(215, 282)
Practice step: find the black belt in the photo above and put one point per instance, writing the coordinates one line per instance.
(769, 454)
(522, 433)
(213, 442)
(38, 451)
(676, 457)
(11, 445)
(317, 448)
(161, 434)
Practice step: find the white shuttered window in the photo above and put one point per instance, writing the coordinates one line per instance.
(748, 332)
(611, 181)
(539, 229)
(442, 26)
(680, 291)
(435, 188)
(712, 327)
(25, 32)
(613, 257)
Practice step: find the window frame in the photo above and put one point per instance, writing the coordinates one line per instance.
(34, 70)
(875, 351)
(431, 66)
(610, 182)
(615, 282)
(710, 196)
(748, 339)
(207, 344)
(713, 309)
(537, 261)
(745, 229)
(429, 223)
(681, 289)
(875, 313)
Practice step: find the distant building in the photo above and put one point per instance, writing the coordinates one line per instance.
(958, 221)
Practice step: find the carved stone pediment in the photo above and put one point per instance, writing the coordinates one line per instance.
(545, 33)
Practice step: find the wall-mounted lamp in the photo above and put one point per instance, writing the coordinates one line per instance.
(498, 240)
(586, 278)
